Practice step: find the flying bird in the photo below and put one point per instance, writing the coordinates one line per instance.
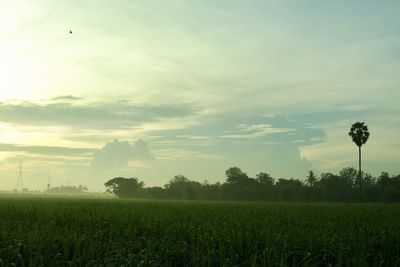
(70, 32)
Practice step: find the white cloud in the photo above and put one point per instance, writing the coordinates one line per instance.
(116, 155)
(257, 131)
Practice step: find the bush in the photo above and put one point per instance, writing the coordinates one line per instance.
(392, 194)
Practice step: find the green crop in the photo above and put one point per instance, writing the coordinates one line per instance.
(89, 232)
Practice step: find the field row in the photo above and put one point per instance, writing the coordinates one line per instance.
(88, 232)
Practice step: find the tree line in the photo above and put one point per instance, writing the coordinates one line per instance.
(341, 187)
(67, 189)
(348, 185)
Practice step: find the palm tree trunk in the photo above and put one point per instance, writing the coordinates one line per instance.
(359, 172)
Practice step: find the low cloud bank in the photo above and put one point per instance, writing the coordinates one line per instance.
(116, 155)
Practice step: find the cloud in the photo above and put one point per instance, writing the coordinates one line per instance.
(66, 98)
(47, 150)
(247, 127)
(99, 115)
(235, 59)
(185, 155)
(116, 155)
(86, 165)
(257, 131)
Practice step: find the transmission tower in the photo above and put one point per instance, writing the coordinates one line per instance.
(20, 178)
(49, 184)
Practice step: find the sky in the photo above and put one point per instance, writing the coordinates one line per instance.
(152, 89)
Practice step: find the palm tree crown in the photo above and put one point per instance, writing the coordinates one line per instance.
(359, 133)
(311, 178)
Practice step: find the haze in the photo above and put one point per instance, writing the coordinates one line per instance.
(151, 89)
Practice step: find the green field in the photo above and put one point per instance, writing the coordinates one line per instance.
(90, 232)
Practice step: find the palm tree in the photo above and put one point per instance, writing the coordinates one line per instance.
(311, 178)
(359, 133)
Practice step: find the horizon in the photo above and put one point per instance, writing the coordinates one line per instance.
(157, 89)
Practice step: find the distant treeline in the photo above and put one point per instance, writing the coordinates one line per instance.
(343, 186)
(67, 189)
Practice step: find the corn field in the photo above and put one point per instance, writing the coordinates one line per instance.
(95, 232)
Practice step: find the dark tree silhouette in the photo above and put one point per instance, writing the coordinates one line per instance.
(265, 179)
(359, 133)
(236, 176)
(351, 175)
(124, 187)
(311, 178)
(180, 187)
(67, 190)
(239, 187)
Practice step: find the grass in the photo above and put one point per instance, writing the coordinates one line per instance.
(92, 232)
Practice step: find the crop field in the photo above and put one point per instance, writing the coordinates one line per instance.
(91, 232)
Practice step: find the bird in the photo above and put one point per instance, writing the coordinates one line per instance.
(70, 32)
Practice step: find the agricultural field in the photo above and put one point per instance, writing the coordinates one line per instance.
(94, 232)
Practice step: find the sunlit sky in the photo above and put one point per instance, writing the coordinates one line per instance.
(152, 89)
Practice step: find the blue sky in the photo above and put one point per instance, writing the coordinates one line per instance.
(157, 88)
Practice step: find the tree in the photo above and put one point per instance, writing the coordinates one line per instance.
(289, 189)
(124, 187)
(336, 188)
(392, 194)
(238, 185)
(311, 178)
(384, 180)
(351, 175)
(359, 133)
(180, 187)
(368, 179)
(177, 179)
(234, 175)
(67, 189)
(264, 178)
